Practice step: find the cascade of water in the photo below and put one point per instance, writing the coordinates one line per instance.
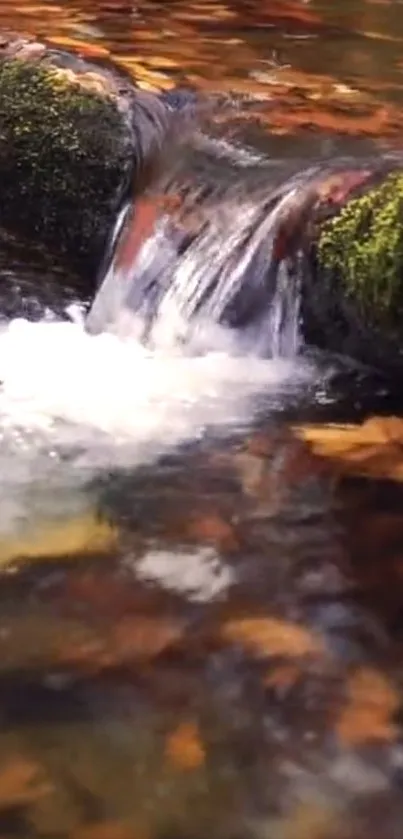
(210, 275)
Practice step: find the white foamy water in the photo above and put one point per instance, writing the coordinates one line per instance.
(56, 378)
(200, 575)
(72, 404)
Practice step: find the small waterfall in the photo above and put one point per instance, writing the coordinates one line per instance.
(204, 266)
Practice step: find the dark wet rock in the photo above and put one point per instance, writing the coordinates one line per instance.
(76, 140)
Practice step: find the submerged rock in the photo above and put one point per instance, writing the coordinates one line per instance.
(76, 140)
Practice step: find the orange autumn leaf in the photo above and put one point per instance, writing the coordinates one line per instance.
(161, 62)
(272, 636)
(309, 820)
(374, 448)
(184, 746)
(107, 830)
(90, 50)
(282, 677)
(213, 529)
(137, 638)
(76, 537)
(145, 637)
(21, 781)
(371, 704)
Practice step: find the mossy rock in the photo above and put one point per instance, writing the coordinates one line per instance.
(353, 297)
(364, 245)
(75, 137)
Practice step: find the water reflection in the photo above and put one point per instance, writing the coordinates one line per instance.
(268, 704)
(333, 66)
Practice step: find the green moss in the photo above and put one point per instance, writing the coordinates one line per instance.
(65, 153)
(363, 248)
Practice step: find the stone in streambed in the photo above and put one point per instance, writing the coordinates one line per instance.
(77, 139)
(352, 290)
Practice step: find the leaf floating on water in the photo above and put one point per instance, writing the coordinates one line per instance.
(380, 36)
(161, 62)
(89, 50)
(374, 448)
(184, 746)
(39, 9)
(372, 703)
(272, 636)
(144, 75)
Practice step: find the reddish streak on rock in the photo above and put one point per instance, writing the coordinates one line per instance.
(141, 226)
(291, 228)
(138, 230)
(339, 187)
(336, 189)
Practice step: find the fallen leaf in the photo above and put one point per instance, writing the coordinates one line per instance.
(131, 639)
(90, 50)
(107, 830)
(212, 529)
(161, 62)
(144, 637)
(83, 535)
(373, 448)
(368, 715)
(282, 677)
(184, 746)
(21, 781)
(272, 636)
(307, 820)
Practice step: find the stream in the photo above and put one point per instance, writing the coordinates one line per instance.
(201, 582)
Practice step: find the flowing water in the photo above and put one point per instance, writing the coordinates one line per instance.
(200, 610)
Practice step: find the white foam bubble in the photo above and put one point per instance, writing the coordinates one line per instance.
(199, 575)
(71, 403)
(54, 374)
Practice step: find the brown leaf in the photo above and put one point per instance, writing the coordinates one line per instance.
(161, 62)
(21, 781)
(213, 529)
(308, 820)
(144, 637)
(132, 639)
(282, 677)
(90, 50)
(372, 702)
(374, 448)
(272, 636)
(82, 535)
(184, 746)
(107, 830)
